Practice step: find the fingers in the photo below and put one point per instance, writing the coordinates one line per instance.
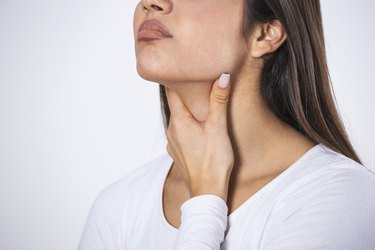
(219, 96)
(176, 106)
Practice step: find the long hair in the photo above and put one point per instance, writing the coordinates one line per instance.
(295, 80)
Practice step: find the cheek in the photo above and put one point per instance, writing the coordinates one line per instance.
(214, 47)
(212, 54)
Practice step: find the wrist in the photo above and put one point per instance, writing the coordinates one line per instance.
(215, 187)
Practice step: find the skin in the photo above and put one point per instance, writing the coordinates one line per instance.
(207, 41)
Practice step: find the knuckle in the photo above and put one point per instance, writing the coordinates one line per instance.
(220, 98)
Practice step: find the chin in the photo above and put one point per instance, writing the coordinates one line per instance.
(153, 64)
(156, 72)
(155, 75)
(150, 71)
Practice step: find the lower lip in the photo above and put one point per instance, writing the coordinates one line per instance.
(148, 35)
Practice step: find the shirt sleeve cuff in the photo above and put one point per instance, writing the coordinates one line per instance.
(203, 222)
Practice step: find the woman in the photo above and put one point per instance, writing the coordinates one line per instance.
(257, 159)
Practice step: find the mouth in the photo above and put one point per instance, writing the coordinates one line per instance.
(152, 30)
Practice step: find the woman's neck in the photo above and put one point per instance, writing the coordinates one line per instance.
(263, 144)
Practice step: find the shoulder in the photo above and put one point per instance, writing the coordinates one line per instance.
(137, 181)
(331, 175)
(104, 224)
(331, 205)
(329, 171)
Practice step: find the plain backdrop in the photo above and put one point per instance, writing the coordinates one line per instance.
(75, 116)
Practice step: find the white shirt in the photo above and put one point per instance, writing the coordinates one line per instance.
(324, 200)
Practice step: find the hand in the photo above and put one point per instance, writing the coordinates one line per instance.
(202, 150)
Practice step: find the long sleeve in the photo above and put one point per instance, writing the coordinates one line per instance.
(203, 223)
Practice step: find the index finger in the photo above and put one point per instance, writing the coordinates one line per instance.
(176, 105)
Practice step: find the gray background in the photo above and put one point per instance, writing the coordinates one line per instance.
(75, 116)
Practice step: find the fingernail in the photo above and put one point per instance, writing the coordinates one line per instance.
(224, 80)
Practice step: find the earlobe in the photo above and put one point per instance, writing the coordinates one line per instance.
(267, 38)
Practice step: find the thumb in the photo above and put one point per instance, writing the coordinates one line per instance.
(218, 101)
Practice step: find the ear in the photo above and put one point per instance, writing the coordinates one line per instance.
(267, 38)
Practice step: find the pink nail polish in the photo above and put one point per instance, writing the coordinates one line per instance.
(224, 80)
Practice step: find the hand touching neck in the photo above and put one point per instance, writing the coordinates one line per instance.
(262, 143)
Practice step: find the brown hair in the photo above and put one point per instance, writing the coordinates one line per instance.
(295, 80)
